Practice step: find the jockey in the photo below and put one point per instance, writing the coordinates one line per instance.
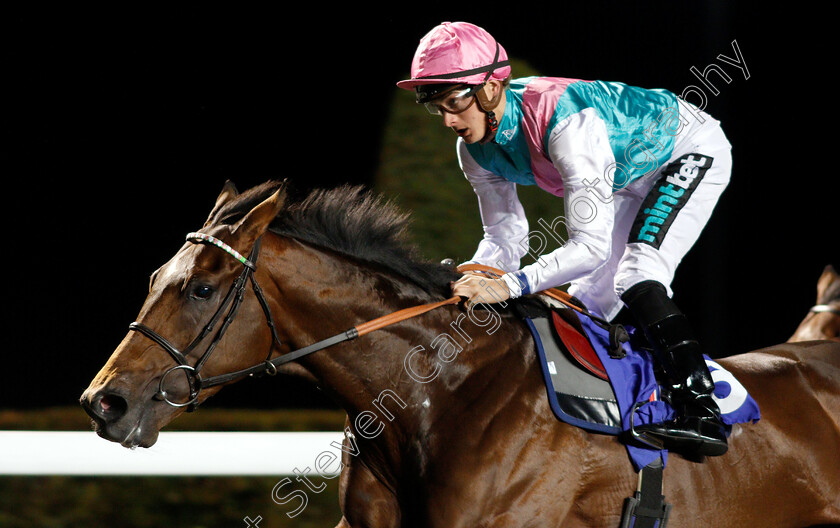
(639, 171)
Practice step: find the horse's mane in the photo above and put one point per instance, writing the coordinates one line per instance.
(351, 221)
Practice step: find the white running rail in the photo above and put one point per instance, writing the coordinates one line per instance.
(80, 453)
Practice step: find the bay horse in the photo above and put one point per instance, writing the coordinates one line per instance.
(448, 423)
(823, 319)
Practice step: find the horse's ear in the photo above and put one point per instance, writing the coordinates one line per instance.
(826, 279)
(228, 193)
(256, 222)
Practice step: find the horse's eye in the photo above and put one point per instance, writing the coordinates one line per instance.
(202, 291)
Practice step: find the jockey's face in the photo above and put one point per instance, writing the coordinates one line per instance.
(471, 124)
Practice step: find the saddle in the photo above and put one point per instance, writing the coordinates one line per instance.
(577, 384)
(604, 386)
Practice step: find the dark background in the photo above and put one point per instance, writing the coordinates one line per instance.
(120, 125)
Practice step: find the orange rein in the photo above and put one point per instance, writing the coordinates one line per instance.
(408, 313)
(402, 315)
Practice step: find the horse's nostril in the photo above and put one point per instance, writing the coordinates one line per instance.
(108, 407)
(112, 406)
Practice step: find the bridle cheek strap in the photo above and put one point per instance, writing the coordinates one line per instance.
(233, 299)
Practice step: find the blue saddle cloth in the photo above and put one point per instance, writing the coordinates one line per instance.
(634, 386)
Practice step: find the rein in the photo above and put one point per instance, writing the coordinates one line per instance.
(233, 300)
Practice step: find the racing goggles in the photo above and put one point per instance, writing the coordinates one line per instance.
(452, 100)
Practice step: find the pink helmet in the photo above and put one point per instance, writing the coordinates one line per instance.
(457, 52)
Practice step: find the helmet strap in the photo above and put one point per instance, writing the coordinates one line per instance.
(492, 127)
(487, 106)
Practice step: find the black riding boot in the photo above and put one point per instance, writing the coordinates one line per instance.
(697, 428)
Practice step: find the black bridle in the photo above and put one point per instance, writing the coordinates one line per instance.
(231, 303)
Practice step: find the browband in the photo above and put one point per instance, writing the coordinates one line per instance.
(202, 237)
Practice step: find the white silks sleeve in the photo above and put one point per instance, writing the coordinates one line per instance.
(505, 226)
(579, 149)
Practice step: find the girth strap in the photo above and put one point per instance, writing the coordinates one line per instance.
(647, 507)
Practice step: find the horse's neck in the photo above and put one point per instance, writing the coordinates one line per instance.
(322, 294)
(399, 381)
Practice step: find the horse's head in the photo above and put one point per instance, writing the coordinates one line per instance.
(156, 371)
(823, 320)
